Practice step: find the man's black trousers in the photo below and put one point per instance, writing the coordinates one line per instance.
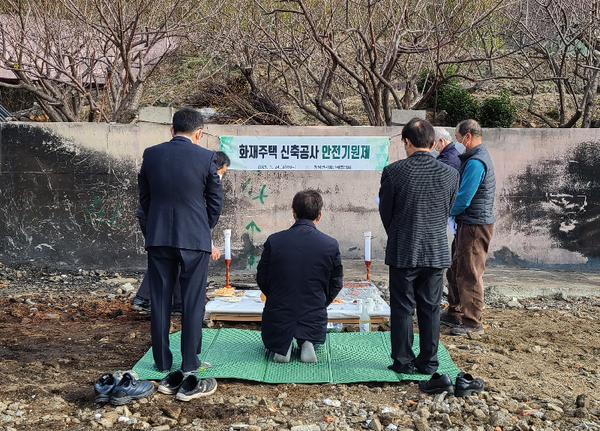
(163, 264)
(420, 288)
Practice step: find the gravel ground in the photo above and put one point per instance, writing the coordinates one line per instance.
(61, 331)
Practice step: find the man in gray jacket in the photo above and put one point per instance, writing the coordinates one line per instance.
(416, 196)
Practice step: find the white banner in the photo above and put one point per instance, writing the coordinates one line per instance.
(306, 153)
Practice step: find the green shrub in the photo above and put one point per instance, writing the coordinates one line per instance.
(458, 104)
(497, 111)
(552, 113)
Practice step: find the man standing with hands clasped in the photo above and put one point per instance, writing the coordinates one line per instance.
(416, 195)
(474, 214)
(181, 196)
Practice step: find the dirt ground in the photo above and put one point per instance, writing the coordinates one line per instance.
(59, 332)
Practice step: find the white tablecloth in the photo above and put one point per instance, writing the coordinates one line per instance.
(252, 304)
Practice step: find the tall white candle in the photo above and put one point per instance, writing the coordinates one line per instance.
(368, 246)
(227, 233)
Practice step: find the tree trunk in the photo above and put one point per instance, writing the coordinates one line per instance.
(128, 109)
(589, 100)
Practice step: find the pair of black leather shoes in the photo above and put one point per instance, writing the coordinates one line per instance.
(186, 386)
(409, 368)
(465, 385)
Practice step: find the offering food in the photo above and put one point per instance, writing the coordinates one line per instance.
(231, 299)
(357, 284)
(337, 301)
(224, 291)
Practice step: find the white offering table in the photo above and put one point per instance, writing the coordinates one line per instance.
(249, 308)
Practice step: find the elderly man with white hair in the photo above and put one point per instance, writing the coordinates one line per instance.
(446, 148)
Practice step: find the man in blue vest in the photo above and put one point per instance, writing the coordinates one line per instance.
(474, 214)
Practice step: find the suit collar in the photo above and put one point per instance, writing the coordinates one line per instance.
(448, 147)
(304, 222)
(182, 138)
(421, 154)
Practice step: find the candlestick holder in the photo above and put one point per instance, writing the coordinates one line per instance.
(368, 263)
(227, 285)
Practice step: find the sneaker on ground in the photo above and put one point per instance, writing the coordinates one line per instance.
(192, 387)
(104, 387)
(170, 384)
(448, 320)
(463, 330)
(129, 388)
(140, 304)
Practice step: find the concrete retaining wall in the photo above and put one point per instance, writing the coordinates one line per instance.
(68, 194)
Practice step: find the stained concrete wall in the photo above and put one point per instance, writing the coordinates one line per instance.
(68, 194)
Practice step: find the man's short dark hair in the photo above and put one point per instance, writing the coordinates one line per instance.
(419, 132)
(307, 204)
(187, 121)
(469, 126)
(222, 160)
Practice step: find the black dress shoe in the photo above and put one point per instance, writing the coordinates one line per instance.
(437, 384)
(402, 369)
(466, 385)
(171, 383)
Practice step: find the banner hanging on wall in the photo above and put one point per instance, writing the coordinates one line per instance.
(306, 153)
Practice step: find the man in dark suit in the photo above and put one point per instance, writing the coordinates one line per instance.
(141, 301)
(300, 272)
(416, 196)
(181, 195)
(448, 154)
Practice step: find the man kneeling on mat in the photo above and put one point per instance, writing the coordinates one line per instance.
(300, 272)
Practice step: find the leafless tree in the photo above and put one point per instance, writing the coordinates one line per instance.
(561, 41)
(322, 53)
(100, 52)
(48, 57)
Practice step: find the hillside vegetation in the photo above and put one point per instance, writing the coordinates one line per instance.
(524, 63)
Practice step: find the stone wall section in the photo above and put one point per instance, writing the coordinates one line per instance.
(68, 195)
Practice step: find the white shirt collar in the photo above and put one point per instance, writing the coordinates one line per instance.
(186, 137)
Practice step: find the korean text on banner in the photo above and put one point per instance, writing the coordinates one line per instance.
(306, 153)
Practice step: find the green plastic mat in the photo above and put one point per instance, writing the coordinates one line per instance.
(344, 358)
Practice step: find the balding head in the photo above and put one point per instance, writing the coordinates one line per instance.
(468, 133)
